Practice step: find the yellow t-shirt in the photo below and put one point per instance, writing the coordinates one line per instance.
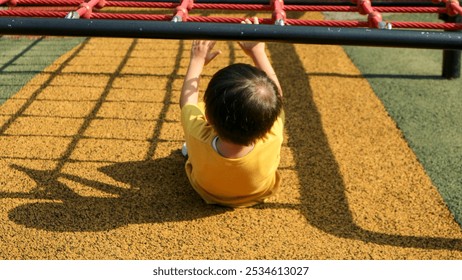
(237, 182)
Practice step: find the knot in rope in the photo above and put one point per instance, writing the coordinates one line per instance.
(364, 6)
(279, 15)
(86, 9)
(374, 19)
(453, 8)
(182, 11)
(10, 3)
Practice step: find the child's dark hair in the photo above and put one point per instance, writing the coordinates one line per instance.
(242, 103)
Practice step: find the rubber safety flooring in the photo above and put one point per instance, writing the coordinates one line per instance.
(91, 168)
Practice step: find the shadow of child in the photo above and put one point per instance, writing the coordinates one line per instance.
(158, 192)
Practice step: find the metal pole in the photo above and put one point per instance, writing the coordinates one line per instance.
(451, 58)
(226, 31)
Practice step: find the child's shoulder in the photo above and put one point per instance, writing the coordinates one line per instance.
(191, 109)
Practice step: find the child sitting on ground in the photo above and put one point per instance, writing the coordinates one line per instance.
(233, 146)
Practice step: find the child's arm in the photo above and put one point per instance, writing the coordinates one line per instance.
(201, 54)
(256, 51)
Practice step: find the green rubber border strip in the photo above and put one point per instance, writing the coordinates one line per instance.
(22, 58)
(426, 107)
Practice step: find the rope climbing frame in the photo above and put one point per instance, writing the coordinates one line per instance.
(181, 19)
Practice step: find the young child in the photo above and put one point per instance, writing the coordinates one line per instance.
(233, 146)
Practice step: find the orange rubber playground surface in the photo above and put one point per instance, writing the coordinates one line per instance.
(90, 166)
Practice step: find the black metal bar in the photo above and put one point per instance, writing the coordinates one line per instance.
(451, 58)
(225, 31)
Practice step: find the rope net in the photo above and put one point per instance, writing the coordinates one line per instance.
(183, 11)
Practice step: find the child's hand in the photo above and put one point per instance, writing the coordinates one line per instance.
(256, 51)
(251, 48)
(203, 50)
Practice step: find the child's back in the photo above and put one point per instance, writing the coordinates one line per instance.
(234, 142)
(241, 181)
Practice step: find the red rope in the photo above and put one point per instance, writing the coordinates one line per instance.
(324, 23)
(453, 7)
(9, 2)
(44, 2)
(427, 25)
(90, 9)
(279, 15)
(218, 6)
(86, 8)
(129, 4)
(182, 10)
(132, 16)
(32, 13)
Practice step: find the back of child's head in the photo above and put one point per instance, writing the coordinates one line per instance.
(242, 103)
